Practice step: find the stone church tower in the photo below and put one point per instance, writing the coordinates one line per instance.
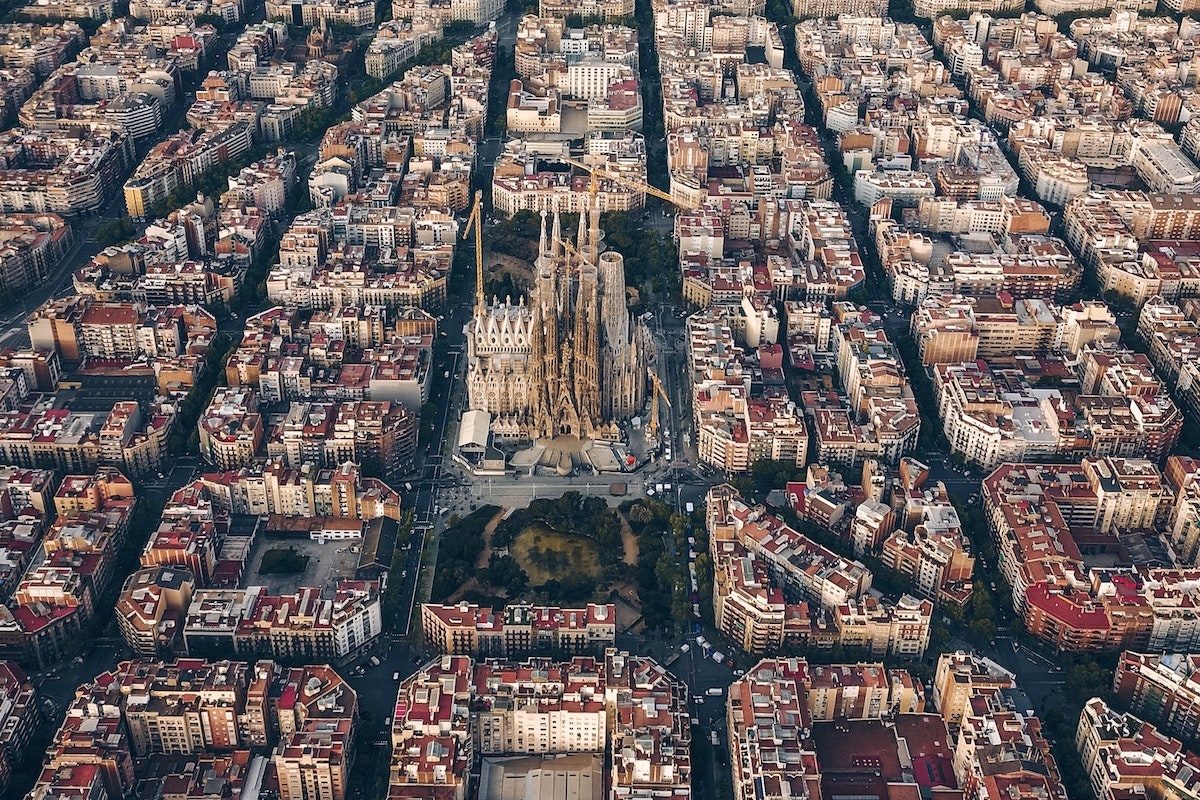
(570, 362)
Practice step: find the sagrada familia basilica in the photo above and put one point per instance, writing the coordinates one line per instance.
(570, 361)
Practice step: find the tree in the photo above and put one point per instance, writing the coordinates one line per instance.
(681, 606)
(505, 572)
(744, 484)
(116, 232)
(576, 587)
(982, 630)
(666, 570)
(641, 513)
(939, 637)
(1087, 679)
(215, 20)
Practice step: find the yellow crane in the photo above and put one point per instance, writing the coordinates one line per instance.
(656, 392)
(475, 222)
(616, 177)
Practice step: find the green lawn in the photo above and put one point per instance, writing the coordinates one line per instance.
(278, 561)
(545, 554)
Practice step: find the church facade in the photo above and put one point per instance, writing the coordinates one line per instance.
(570, 361)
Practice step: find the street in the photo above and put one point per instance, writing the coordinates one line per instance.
(439, 487)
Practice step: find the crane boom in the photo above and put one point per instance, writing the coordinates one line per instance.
(656, 392)
(616, 177)
(474, 221)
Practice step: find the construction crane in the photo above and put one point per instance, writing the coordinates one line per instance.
(475, 221)
(656, 392)
(631, 183)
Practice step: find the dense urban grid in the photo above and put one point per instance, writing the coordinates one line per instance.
(544, 400)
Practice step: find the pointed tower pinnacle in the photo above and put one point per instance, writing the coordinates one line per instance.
(542, 240)
(556, 237)
(581, 236)
(594, 233)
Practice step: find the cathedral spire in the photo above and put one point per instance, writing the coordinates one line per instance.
(556, 237)
(594, 233)
(542, 240)
(581, 236)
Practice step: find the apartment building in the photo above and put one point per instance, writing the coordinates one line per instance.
(954, 328)
(231, 429)
(516, 188)
(185, 706)
(1107, 228)
(934, 555)
(174, 163)
(40, 47)
(1123, 755)
(320, 271)
(734, 427)
(56, 595)
(315, 764)
(398, 41)
(38, 437)
(307, 13)
(189, 542)
(788, 740)
(1014, 413)
(773, 587)
(1036, 513)
(1030, 266)
(227, 10)
(904, 189)
(999, 747)
(881, 629)
(628, 709)
(91, 743)
(276, 489)
(431, 733)
(802, 565)
(930, 9)
(1144, 612)
(151, 607)
(755, 614)
(77, 174)
(876, 417)
(88, 326)
(468, 629)
(380, 434)
(540, 706)
(317, 719)
(98, 10)
(303, 625)
(477, 11)
(187, 716)
(264, 184)
(19, 718)
(1171, 334)
(1162, 689)
(32, 245)
(28, 490)
(840, 439)
(589, 9)
(960, 677)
